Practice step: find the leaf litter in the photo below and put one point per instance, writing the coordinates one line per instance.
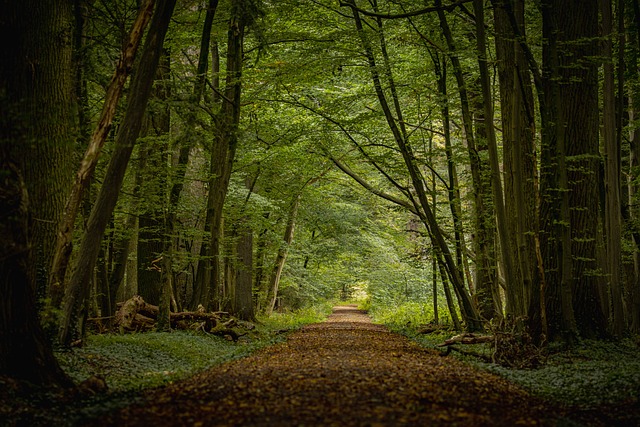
(345, 371)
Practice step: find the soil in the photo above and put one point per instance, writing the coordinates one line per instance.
(343, 372)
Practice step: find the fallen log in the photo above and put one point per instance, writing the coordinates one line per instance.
(135, 314)
(126, 314)
(467, 338)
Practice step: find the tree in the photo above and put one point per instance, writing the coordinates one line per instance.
(486, 283)
(515, 303)
(519, 152)
(400, 136)
(129, 130)
(276, 272)
(578, 112)
(63, 242)
(224, 146)
(612, 169)
(36, 130)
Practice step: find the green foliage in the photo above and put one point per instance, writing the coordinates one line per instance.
(407, 317)
(138, 361)
(591, 374)
(295, 319)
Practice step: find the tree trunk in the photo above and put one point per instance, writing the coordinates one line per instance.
(186, 140)
(140, 91)
(515, 305)
(223, 153)
(64, 237)
(613, 215)
(486, 281)
(447, 293)
(154, 212)
(579, 109)
(25, 353)
(36, 140)
(281, 257)
(37, 77)
(243, 294)
(472, 319)
(455, 204)
(633, 303)
(518, 130)
(555, 240)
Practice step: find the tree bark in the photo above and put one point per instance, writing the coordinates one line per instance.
(578, 92)
(25, 353)
(243, 295)
(515, 305)
(38, 84)
(36, 139)
(613, 214)
(555, 240)
(518, 130)
(633, 177)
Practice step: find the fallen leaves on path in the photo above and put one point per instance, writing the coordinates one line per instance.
(343, 372)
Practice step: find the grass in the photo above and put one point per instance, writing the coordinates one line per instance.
(589, 375)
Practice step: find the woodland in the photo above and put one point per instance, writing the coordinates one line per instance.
(465, 165)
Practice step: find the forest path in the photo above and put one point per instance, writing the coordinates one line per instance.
(342, 372)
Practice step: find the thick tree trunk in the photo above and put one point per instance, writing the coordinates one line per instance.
(579, 109)
(36, 140)
(555, 240)
(24, 351)
(38, 83)
(128, 133)
(612, 161)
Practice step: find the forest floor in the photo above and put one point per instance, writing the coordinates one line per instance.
(348, 372)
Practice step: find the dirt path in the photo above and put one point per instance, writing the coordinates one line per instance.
(343, 372)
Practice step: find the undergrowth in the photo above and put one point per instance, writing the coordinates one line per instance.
(591, 374)
(408, 315)
(137, 361)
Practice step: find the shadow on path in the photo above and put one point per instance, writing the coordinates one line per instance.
(342, 372)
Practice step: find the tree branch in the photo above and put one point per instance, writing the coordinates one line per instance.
(426, 10)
